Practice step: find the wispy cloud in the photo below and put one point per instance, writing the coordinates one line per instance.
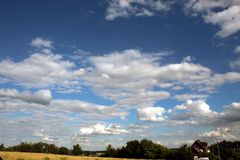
(139, 8)
(223, 13)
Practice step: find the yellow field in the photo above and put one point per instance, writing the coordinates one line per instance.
(43, 156)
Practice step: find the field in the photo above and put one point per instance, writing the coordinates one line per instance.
(43, 156)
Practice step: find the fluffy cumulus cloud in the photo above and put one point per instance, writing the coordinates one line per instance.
(151, 114)
(127, 8)
(39, 97)
(132, 71)
(102, 129)
(193, 112)
(223, 13)
(41, 43)
(219, 134)
(41, 70)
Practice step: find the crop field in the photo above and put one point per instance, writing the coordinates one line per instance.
(43, 156)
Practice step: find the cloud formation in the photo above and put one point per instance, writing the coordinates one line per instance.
(134, 71)
(151, 114)
(102, 129)
(235, 64)
(193, 113)
(40, 70)
(223, 13)
(43, 97)
(131, 81)
(185, 97)
(143, 8)
(41, 43)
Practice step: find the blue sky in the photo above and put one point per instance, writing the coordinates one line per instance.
(99, 72)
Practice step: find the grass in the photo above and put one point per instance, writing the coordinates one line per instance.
(43, 156)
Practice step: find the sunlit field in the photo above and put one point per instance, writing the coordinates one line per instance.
(43, 156)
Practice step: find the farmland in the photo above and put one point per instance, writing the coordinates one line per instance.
(43, 156)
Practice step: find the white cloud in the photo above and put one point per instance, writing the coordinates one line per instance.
(143, 99)
(196, 112)
(40, 70)
(137, 128)
(151, 114)
(192, 112)
(102, 129)
(44, 137)
(236, 63)
(91, 109)
(127, 8)
(132, 72)
(43, 97)
(185, 97)
(41, 43)
(227, 15)
(219, 134)
(228, 132)
(127, 77)
(228, 20)
(56, 122)
(237, 49)
(196, 106)
(18, 105)
(231, 113)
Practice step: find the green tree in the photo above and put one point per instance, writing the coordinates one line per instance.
(63, 150)
(2, 148)
(184, 152)
(134, 149)
(148, 149)
(76, 150)
(110, 151)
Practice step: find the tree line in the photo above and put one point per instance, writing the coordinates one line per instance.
(144, 149)
(41, 147)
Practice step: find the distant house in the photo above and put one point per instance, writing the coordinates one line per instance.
(200, 147)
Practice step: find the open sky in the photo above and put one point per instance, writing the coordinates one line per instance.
(96, 72)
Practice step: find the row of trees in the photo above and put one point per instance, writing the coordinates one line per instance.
(149, 150)
(43, 148)
(137, 149)
(227, 150)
